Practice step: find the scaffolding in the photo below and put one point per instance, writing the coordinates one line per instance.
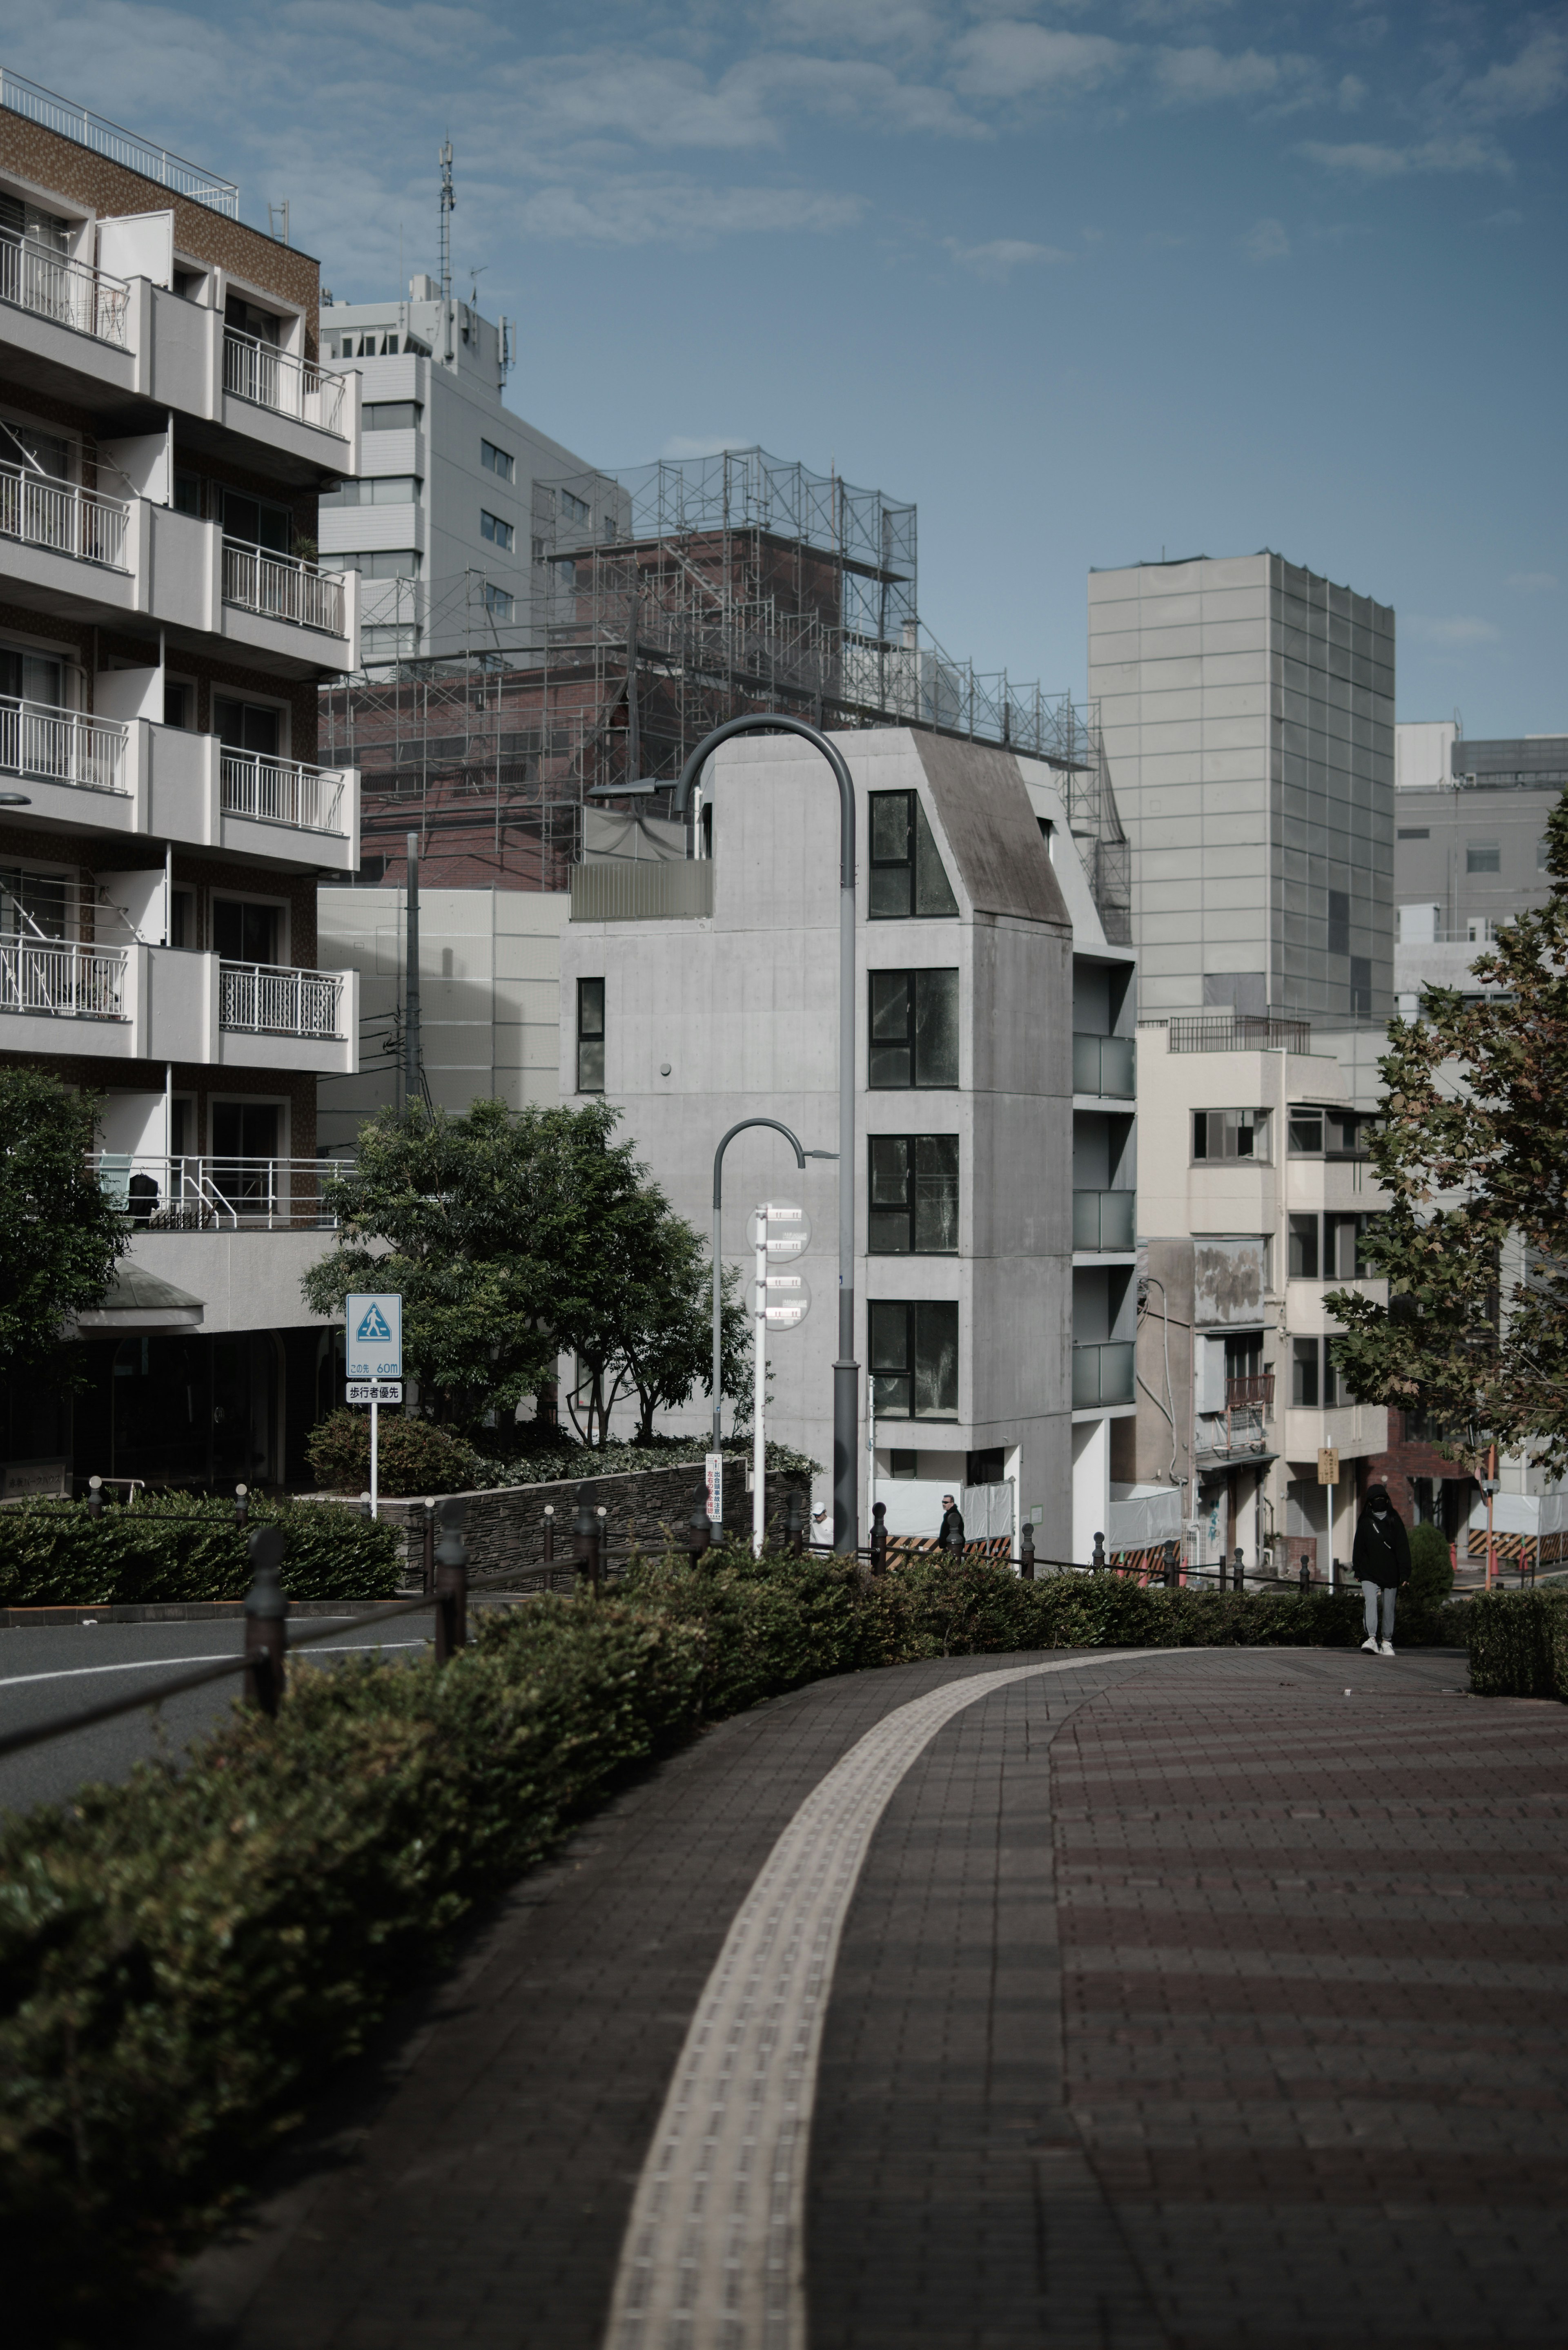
(664, 601)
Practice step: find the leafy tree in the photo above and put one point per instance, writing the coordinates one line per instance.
(60, 1234)
(1472, 1148)
(1432, 1569)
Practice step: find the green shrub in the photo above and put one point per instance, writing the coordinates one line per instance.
(1431, 1567)
(185, 1546)
(1519, 1644)
(548, 1460)
(413, 1455)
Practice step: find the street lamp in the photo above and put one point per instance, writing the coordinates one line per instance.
(846, 1370)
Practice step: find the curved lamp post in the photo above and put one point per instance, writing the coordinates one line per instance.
(846, 1370)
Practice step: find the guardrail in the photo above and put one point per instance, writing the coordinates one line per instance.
(282, 586)
(72, 121)
(68, 292)
(269, 378)
(1242, 1032)
(64, 982)
(1104, 1220)
(1102, 1373)
(62, 746)
(269, 1000)
(42, 511)
(1104, 1065)
(183, 1192)
(281, 791)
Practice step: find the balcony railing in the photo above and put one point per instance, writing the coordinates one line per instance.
(180, 1193)
(61, 982)
(1103, 1220)
(261, 373)
(1104, 1065)
(1242, 1427)
(1237, 1032)
(73, 121)
(68, 292)
(266, 1000)
(282, 586)
(61, 746)
(282, 791)
(42, 511)
(1102, 1373)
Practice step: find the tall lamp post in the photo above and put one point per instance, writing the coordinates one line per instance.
(846, 1370)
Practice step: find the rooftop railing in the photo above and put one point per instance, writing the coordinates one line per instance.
(42, 511)
(282, 791)
(61, 746)
(68, 292)
(269, 1000)
(259, 372)
(1240, 1032)
(283, 587)
(62, 981)
(71, 122)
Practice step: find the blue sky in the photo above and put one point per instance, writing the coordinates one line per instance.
(1083, 281)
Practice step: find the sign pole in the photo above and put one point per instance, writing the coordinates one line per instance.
(759, 1449)
(375, 1435)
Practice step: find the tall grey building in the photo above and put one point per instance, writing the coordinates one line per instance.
(1248, 715)
(1470, 848)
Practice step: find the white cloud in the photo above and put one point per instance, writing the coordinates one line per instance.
(1002, 256)
(1351, 94)
(712, 444)
(1425, 630)
(681, 211)
(868, 24)
(1196, 76)
(832, 87)
(1373, 162)
(1506, 218)
(1532, 582)
(1266, 240)
(1010, 59)
(1537, 78)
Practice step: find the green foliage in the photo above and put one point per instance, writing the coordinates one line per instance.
(60, 1234)
(1472, 1150)
(1432, 1569)
(183, 1958)
(1519, 1644)
(547, 1463)
(412, 1455)
(185, 1547)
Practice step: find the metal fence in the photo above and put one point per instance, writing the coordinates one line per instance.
(64, 982)
(72, 121)
(62, 746)
(1240, 1032)
(68, 292)
(261, 373)
(181, 1193)
(282, 586)
(282, 791)
(43, 512)
(269, 1000)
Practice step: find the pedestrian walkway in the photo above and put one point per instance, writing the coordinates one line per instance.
(1201, 2000)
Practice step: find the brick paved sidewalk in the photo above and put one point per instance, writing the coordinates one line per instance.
(1187, 2002)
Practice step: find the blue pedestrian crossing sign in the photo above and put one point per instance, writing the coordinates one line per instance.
(375, 1336)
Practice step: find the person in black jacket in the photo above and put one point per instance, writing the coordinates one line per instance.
(952, 1536)
(1382, 1559)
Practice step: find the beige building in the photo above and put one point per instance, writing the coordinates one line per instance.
(1254, 1191)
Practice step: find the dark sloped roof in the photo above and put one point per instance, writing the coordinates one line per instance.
(991, 829)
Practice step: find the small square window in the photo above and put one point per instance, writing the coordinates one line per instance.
(1482, 857)
(914, 1028)
(590, 1035)
(496, 460)
(498, 533)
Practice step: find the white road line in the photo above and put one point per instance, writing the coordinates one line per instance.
(713, 2257)
(167, 1664)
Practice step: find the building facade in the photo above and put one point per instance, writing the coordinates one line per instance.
(1469, 848)
(1247, 709)
(164, 630)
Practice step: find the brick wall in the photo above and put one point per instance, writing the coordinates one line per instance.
(1407, 1457)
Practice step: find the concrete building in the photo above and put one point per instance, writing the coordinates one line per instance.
(166, 427)
(994, 1314)
(1253, 1193)
(1469, 848)
(1247, 709)
(441, 524)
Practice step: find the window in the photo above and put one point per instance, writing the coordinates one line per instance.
(375, 490)
(590, 1035)
(188, 283)
(187, 493)
(181, 922)
(25, 220)
(913, 1195)
(26, 676)
(33, 905)
(51, 454)
(1231, 1134)
(391, 415)
(1482, 857)
(914, 1028)
(906, 875)
(1415, 832)
(247, 726)
(387, 563)
(1361, 987)
(1303, 1248)
(257, 522)
(1306, 1133)
(497, 602)
(179, 703)
(1332, 1133)
(914, 1359)
(496, 461)
(243, 317)
(1338, 922)
(496, 532)
(1244, 1356)
(244, 931)
(1048, 835)
(1304, 1373)
(575, 509)
(903, 1464)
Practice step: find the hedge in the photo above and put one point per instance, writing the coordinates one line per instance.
(186, 1546)
(1519, 1644)
(183, 1958)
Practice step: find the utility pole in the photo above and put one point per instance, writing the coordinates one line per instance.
(413, 1085)
(448, 199)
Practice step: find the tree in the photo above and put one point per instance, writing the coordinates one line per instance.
(1471, 1147)
(60, 1232)
(645, 1325)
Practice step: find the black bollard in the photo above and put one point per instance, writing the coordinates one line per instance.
(1026, 1551)
(1305, 1578)
(880, 1538)
(601, 1548)
(1172, 1565)
(547, 1541)
(1099, 1558)
(1239, 1569)
(427, 1557)
(585, 1534)
(266, 1640)
(698, 1528)
(364, 1505)
(451, 1584)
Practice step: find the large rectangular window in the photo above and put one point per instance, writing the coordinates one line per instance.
(590, 1035)
(1231, 1134)
(1303, 1248)
(496, 460)
(392, 415)
(1339, 922)
(499, 533)
(913, 1195)
(1303, 1374)
(914, 1028)
(914, 1358)
(906, 875)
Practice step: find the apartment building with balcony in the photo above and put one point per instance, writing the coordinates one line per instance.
(165, 428)
(994, 1260)
(1254, 1193)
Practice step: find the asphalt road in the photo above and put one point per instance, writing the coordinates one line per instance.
(45, 1673)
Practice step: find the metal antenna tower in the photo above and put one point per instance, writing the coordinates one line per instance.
(448, 199)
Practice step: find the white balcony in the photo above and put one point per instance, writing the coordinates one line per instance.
(268, 378)
(63, 746)
(144, 1003)
(48, 979)
(260, 999)
(283, 587)
(61, 519)
(283, 791)
(179, 1193)
(88, 301)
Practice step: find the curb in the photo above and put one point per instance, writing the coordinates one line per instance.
(190, 1611)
